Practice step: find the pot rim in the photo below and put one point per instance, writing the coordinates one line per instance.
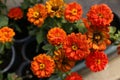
(11, 62)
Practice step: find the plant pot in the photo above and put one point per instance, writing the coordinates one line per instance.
(30, 49)
(21, 29)
(25, 72)
(8, 60)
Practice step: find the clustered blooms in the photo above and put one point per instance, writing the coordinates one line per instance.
(6, 34)
(74, 46)
(15, 13)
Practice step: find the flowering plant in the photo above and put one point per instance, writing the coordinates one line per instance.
(67, 36)
(6, 33)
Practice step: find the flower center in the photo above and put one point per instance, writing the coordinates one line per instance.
(42, 66)
(100, 15)
(74, 11)
(98, 61)
(36, 14)
(97, 37)
(55, 8)
(74, 47)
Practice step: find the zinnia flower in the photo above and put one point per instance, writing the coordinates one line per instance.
(62, 62)
(6, 34)
(15, 13)
(74, 76)
(96, 61)
(76, 46)
(100, 15)
(73, 12)
(37, 14)
(42, 65)
(56, 36)
(55, 7)
(98, 38)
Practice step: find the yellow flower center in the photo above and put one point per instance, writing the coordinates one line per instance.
(74, 11)
(98, 61)
(42, 66)
(74, 47)
(36, 14)
(97, 37)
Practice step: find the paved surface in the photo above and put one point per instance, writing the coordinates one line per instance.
(113, 4)
(112, 72)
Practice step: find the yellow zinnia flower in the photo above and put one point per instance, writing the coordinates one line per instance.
(55, 7)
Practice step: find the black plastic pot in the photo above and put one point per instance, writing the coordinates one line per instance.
(30, 49)
(12, 59)
(25, 72)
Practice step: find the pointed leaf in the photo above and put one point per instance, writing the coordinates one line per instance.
(3, 20)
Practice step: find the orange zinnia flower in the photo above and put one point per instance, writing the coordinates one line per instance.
(96, 61)
(37, 14)
(55, 7)
(76, 46)
(6, 34)
(56, 36)
(15, 13)
(74, 76)
(100, 15)
(73, 12)
(98, 38)
(42, 65)
(62, 62)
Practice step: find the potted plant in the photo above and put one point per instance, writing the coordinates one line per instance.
(7, 51)
(70, 38)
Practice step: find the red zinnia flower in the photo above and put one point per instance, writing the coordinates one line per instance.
(76, 46)
(15, 13)
(56, 36)
(100, 15)
(42, 65)
(73, 12)
(96, 61)
(74, 76)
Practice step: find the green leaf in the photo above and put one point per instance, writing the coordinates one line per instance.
(8, 45)
(112, 29)
(40, 36)
(47, 47)
(1, 76)
(1, 63)
(81, 27)
(3, 20)
(10, 76)
(2, 46)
